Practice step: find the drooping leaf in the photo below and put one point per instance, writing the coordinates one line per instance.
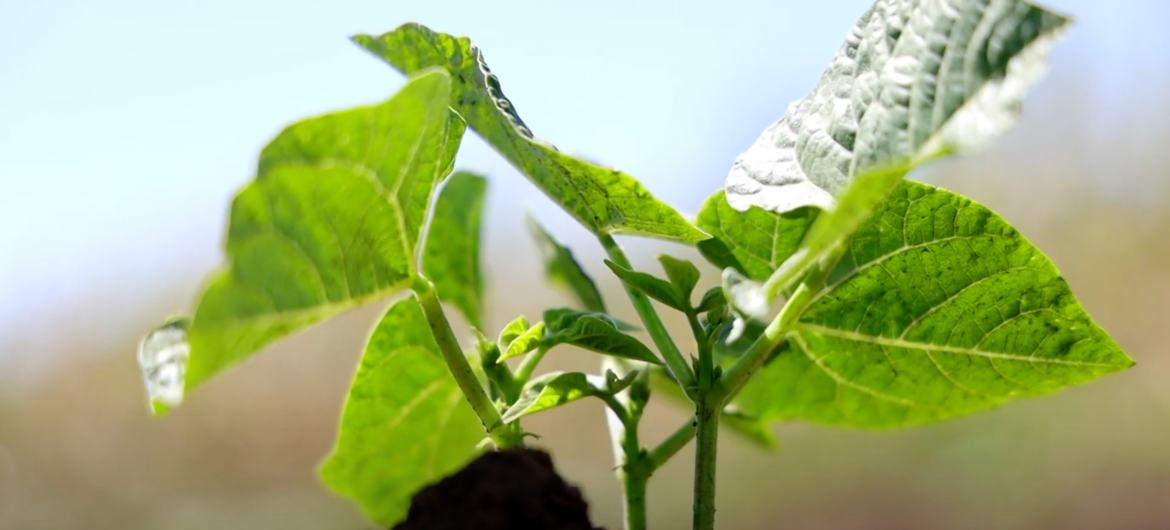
(649, 285)
(405, 422)
(913, 79)
(595, 332)
(682, 274)
(525, 342)
(562, 269)
(451, 254)
(331, 221)
(605, 200)
(553, 390)
(758, 240)
(939, 308)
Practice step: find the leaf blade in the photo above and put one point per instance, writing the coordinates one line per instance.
(606, 201)
(562, 269)
(298, 249)
(912, 80)
(451, 255)
(405, 423)
(939, 309)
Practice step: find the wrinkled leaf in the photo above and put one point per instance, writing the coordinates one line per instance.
(596, 332)
(649, 285)
(913, 79)
(405, 422)
(605, 200)
(939, 308)
(553, 390)
(562, 269)
(331, 221)
(451, 254)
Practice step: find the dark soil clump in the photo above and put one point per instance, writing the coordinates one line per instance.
(515, 489)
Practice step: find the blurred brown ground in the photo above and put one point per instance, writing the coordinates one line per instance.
(78, 450)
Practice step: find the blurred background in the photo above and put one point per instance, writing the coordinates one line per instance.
(126, 127)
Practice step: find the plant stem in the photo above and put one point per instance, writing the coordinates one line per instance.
(528, 365)
(633, 470)
(460, 369)
(634, 491)
(674, 443)
(675, 362)
(706, 448)
(739, 373)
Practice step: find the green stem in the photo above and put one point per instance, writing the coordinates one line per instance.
(632, 469)
(739, 373)
(528, 365)
(634, 491)
(459, 367)
(675, 361)
(669, 447)
(706, 448)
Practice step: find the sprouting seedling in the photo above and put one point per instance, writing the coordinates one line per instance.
(902, 303)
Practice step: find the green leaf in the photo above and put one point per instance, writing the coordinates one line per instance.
(605, 200)
(525, 342)
(451, 255)
(913, 80)
(682, 273)
(405, 422)
(553, 390)
(595, 332)
(513, 329)
(331, 221)
(939, 308)
(649, 285)
(757, 240)
(712, 300)
(562, 269)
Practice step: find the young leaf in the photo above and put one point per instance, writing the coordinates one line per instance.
(553, 390)
(405, 422)
(513, 329)
(682, 273)
(451, 255)
(606, 201)
(525, 342)
(940, 308)
(595, 332)
(712, 300)
(562, 269)
(331, 221)
(913, 79)
(758, 240)
(655, 288)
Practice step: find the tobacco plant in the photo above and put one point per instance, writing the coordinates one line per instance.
(903, 303)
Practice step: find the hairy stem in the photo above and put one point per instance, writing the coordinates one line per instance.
(706, 448)
(459, 367)
(627, 452)
(675, 362)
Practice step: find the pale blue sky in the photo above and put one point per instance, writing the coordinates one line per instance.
(125, 127)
